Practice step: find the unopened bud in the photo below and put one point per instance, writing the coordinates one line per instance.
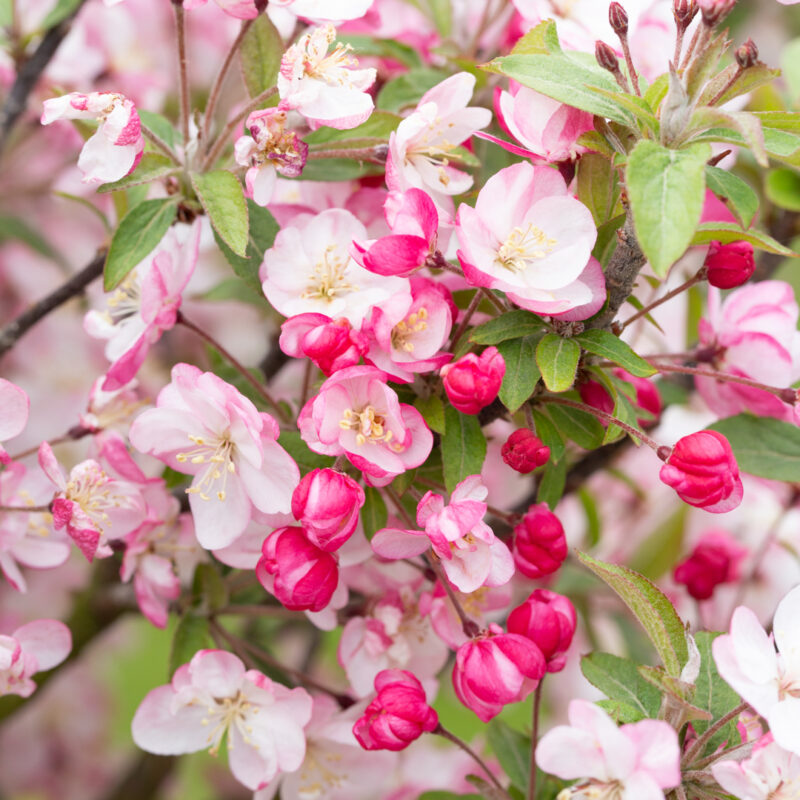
(747, 55)
(606, 57)
(684, 11)
(714, 11)
(618, 18)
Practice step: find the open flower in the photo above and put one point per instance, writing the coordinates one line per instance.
(14, 407)
(771, 773)
(34, 647)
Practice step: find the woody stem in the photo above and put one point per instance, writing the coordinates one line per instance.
(451, 737)
(183, 80)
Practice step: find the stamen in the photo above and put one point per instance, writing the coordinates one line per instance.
(524, 246)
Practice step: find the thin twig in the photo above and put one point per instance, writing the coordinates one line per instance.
(699, 744)
(462, 326)
(158, 142)
(183, 79)
(468, 625)
(26, 509)
(537, 702)
(697, 278)
(451, 737)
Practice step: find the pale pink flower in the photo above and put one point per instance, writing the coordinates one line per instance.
(326, 88)
(205, 427)
(309, 270)
(213, 697)
(325, 10)
(356, 414)
(115, 149)
(145, 304)
(528, 237)
(108, 408)
(14, 407)
(768, 680)
(771, 773)
(634, 762)
(240, 9)
(37, 646)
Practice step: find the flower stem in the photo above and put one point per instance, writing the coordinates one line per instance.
(699, 744)
(626, 51)
(462, 327)
(158, 142)
(375, 154)
(537, 701)
(439, 730)
(26, 509)
(697, 278)
(719, 95)
(238, 366)
(469, 626)
(183, 81)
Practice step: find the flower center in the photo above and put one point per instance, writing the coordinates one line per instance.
(328, 278)
(523, 247)
(593, 790)
(229, 711)
(320, 772)
(126, 299)
(370, 426)
(405, 330)
(218, 455)
(91, 492)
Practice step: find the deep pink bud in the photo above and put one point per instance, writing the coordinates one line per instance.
(524, 451)
(539, 545)
(684, 11)
(714, 560)
(714, 11)
(594, 394)
(747, 54)
(297, 572)
(331, 344)
(618, 19)
(729, 265)
(703, 471)
(496, 669)
(647, 395)
(326, 503)
(398, 715)
(606, 57)
(548, 620)
(473, 381)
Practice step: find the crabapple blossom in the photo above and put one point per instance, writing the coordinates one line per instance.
(37, 646)
(714, 560)
(527, 236)
(213, 697)
(768, 680)
(634, 762)
(145, 304)
(326, 10)
(332, 344)
(549, 621)
(108, 408)
(703, 471)
(539, 544)
(268, 151)
(496, 669)
(14, 407)
(309, 270)
(473, 381)
(205, 427)
(398, 715)
(326, 88)
(771, 773)
(356, 414)
(729, 265)
(115, 149)
(239, 9)
(523, 451)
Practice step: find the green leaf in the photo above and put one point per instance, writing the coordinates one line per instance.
(666, 190)
(511, 325)
(612, 348)
(557, 358)
(650, 606)
(442, 795)
(738, 195)
(592, 513)
(521, 374)
(16, 229)
(513, 751)
(660, 551)
(765, 447)
(406, 90)
(139, 232)
(442, 14)
(261, 236)
(607, 239)
(745, 81)
(160, 125)
(306, 459)
(374, 515)
(638, 107)
(382, 48)
(432, 410)
(597, 188)
(191, 635)
(577, 426)
(221, 195)
(619, 679)
(676, 689)
(463, 447)
(208, 588)
(728, 232)
(554, 479)
(152, 167)
(620, 712)
(783, 188)
(260, 54)
(61, 10)
(747, 125)
(379, 126)
(548, 433)
(542, 39)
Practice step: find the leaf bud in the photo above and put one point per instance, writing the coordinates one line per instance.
(618, 18)
(606, 57)
(747, 55)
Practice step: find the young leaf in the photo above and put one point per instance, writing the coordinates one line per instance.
(548, 433)
(783, 188)
(151, 167)
(605, 344)
(260, 54)
(140, 231)
(666, 190)
(619, 679)
(738, 195)
(511, 325)
(542, 39)
(651, 607)
(513, 751)
(522, 374)
(557, 358)
(577, 426)
(221, 195)
(463, 447)
(373, 513)
(728, 232)
(191, 635)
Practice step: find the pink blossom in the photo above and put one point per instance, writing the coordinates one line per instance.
(326, 10)
(771, 773)
(93, 506)
(37, 646)
(496, 669)
(473, 382)
(108, 408)
(421, 149)
(528, 237)
(326, 88)
(539, 544)
(703, 471)
(309, 270)
(326, 503)
(634, 762)
(212, 697)
(398, 715)
(356, 414)
(332, 344)
(523, 451)
(268, 151)
(145, 304)
(549, 621)
(239, 9)
(205, 427)
(14, 407)
(115, 149)
(714, 560)
(769, 681)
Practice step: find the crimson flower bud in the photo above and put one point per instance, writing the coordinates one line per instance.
(703, 471)
(594, 394)
(747, 54)
(729, 265)
(618, 18)
(326, 503)
(684, 11)
(398, 715)
(647, 395)
(473, 381)
(331, 344)
(496, 669)
(524, 451)
(714, 560)
(539, 545)
(297, 572)
(549, 621)
(606, 57)
(714, 11)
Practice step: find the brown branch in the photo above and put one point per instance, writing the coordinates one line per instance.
(146, 775)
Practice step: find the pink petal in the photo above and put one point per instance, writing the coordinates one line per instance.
(48, 640)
